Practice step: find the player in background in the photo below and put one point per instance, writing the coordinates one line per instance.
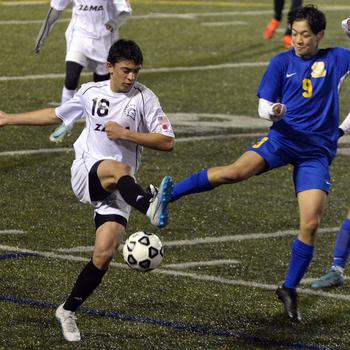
(93, 28)
(334, 277)
(122, 116)
(275, 22)
(299, 93)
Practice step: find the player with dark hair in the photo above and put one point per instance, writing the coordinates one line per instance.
(275, 22)
(93, 28)
(334, 277)
(299, 93)
(122, 116)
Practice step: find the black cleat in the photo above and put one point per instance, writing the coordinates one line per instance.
(288, 297)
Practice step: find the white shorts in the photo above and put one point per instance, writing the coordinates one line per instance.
(89, 52)
(113, 204)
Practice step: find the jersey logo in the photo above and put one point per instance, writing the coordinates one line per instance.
(318, 70)
(90, 8)
(290, 75)
(130, 111)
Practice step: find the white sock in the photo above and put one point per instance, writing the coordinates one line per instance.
(66, 94)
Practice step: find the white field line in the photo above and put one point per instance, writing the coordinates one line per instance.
(239, 238)
(181, 266)
(185, 16)
(222, 24)
(146, 70)
(208, 240)
(310, 279)
(198, 277)
(249, 284)
(183, 139)
(12, 232)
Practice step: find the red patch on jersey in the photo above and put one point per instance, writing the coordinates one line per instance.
(164, 122)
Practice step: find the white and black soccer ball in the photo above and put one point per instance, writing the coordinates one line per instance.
(143, 251)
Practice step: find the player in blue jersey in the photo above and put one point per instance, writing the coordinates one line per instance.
(334, 277)
(299, 93)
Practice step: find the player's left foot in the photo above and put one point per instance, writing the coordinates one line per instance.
(287, 41)
(271, 29)
(60, 133)
(288, 297)
(158, 208)
(67, 319)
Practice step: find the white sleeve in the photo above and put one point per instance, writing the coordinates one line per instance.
(265, 110)
(345, 125)
(59, 5)
(71, 110)
(156, 120)
(345, 27)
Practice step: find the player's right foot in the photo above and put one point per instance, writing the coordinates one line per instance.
(288, 297)
(271, 29)
(158, 208)
(60, 133)
(333, 278)
(67, 319)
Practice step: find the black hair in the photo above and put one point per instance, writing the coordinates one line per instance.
(310, 13)
(123, 50)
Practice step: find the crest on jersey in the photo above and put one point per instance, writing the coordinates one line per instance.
(318, 70)
(130, 111)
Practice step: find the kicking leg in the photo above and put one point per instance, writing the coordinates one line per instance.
(249, 164)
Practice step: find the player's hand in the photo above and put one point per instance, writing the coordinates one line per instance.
(278, 110)
(110, 25)
(3, 119)
(114, 130)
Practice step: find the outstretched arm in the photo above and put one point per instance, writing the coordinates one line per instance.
(40, 117)
(47, 26)
(155, 141)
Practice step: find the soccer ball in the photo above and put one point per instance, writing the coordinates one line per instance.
(143, 251)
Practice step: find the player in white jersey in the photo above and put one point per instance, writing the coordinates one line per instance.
(121, 117)
(94, 27)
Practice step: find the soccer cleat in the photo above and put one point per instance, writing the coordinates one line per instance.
(67, 319)
(271, 29)
(333, 278)
(60, 133)
(287, 41)
(288, 297)
(158, 208)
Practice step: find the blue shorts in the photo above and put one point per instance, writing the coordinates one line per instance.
(311, 164)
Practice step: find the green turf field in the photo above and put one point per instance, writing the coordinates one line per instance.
(204, 59)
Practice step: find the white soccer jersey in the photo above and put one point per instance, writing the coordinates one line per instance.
(90, 16)
(138, 110)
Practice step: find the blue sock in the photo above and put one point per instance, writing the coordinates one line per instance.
(193, 184)
(299, 263)
(342, 245)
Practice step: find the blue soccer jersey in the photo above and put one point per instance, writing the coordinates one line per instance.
(310, 90)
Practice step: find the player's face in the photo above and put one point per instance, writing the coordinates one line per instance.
(123, 75)
(305, 42)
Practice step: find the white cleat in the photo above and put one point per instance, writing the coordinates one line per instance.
(158, 208)
(67, 319)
